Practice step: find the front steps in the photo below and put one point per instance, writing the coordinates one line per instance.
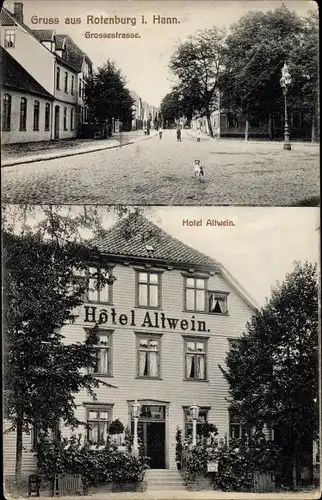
(164, 479)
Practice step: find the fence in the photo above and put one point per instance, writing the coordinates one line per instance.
(264, 482)
(68, 484)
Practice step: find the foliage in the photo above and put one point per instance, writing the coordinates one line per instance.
(116, 427)
(197, 64)
(107, 96)
(273, 372)
(179, 444)
(237, 460)
(97, 465)
(206, 428)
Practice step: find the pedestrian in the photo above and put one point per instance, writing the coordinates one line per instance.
(160, 132)
(179, 134)
(198, 134)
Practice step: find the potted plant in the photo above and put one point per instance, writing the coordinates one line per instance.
(116, 429)
(179, 447)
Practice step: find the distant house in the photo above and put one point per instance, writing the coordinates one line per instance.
(27, 107)
(56, 63)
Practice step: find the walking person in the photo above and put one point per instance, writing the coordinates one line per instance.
(198, 135)
(160, 132)
(179, 134)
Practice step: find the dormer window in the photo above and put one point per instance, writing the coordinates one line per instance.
(217, 302)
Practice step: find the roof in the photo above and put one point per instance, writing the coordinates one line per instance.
(16, 77)
(130, 236)
(44, 35)
(74, 54)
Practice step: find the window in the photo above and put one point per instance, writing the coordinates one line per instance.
(71, 119)
(36, 115)
(53, 434)
(66, 82)
(195, 359)
(195, 294)
(23, 113)
(72, 85)
(58, 78)
(97, 293)
(6, 112)
(98, 420)
(202, 418)
(9, 38)
(148, 356)
(148, 289)
(232, 120)
(236, 429)
(47, 116)
(103, 354)
(80, 88)
(65, 118)
(217, 302)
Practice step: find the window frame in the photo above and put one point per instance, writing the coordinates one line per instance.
(72, 85)
(65, 119)
(54, 435)
(36, 115)
(100, 407)
(185, 288)
(109, 349)
(72, 118)
(9, 38)
(98, 292)
(155, 337)
(47, 117)
(221, 295)
(57, 77)
(233, 421)
(23, 109)
(190, 338)
(148, 272)
(6, 112)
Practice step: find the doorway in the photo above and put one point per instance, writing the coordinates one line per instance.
(152, 435)
(56, 123)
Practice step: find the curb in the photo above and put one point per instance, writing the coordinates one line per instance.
(34, 159)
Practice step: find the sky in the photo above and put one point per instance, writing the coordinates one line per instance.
(143, 61)
(259, 250)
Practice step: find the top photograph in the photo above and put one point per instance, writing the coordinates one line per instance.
(160, 103)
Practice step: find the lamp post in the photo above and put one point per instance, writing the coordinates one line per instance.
(136, 413)
(285, 82)
(194, 413)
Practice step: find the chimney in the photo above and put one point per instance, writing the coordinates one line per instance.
(18, 11)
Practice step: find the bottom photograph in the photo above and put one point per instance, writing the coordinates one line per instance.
(161, 350)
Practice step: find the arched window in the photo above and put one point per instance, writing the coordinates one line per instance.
(6, 112)
(36, 115)
(23, 113)
(47, 116)
(65, 118)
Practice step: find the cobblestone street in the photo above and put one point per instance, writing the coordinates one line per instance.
(157, 171)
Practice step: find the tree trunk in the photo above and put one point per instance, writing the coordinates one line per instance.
(19, 449)
(211, 132)
(313, 129)
(270, 127)
(246, 129)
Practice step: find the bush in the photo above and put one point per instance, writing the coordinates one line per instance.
(116, 427)
(179, 445)
(97, 465)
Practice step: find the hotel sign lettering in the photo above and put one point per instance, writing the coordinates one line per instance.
(152, 319)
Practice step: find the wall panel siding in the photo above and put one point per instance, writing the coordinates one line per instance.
(29, 459)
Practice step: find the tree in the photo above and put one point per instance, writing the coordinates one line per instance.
(107, 96)
(256, 49)
(170, 107)
(273, 372)
(42, 374)
(197, 63)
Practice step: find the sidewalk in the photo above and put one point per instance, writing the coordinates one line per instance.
(32, 152)
(196, 495)
(205, 137)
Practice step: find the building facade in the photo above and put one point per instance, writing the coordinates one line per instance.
(165, 325)
(59, 67)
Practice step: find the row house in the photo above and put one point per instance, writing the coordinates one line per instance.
(59, 67)
(165, 324)
(143, 113)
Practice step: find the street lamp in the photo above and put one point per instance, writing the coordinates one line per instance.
(194, 413)
(136, 413)
(285, 82)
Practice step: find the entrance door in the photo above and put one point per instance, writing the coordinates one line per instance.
(155, 444)
(56, 124)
